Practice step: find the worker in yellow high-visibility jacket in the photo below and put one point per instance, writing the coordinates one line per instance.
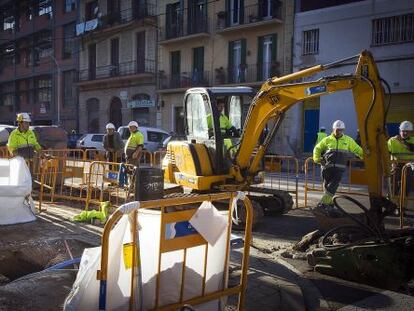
(134, 145)
(22, 141)
(320, 135)
(332, 153)
(401, 148)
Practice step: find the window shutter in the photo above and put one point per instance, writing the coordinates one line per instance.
(259, 58)
(274, 69)
(243, 69)
(241, 14)
(228, 13)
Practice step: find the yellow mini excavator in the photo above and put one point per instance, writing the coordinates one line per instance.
(219, 157)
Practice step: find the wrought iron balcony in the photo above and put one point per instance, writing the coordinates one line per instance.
(111, 19)
(122, 69)
(178, 30)
(183, 80)
(266, 10)
(246, 73)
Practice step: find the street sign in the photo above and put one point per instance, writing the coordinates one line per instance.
(142, 103)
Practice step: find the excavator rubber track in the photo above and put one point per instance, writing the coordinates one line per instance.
(273, 201)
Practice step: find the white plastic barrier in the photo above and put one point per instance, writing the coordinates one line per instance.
(16, 204)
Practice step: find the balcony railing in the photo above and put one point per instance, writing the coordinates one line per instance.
(184, 80)
(138, 11)
(178, 30)
(266, 10)
(246, 73)
(119, 70)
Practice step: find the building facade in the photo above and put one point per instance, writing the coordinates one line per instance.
(38, 61)
(116, 63)
(326, 32)
(219, 43)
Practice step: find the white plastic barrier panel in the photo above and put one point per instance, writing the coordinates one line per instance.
(16, 204)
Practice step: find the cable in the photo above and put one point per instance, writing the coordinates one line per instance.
(372, 234)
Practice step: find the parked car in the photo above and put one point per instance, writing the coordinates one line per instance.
(154, 138)
(90, 141)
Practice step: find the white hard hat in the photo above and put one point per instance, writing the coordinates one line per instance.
(338, 124)
(323, 128)
(110, 126)
(133, 123)
(23, 117)
(406, 126)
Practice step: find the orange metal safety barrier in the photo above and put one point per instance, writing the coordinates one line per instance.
(48, 179)
(158, 157)
(355, 185)
(282, 173)
(94, 155)
(4, 152)
(146, 158)
(407, 169)
(103, 185)
(181, 243)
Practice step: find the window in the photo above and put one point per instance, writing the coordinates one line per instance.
(7, 95)
(8, 22)
(197, 16)
(97, 138)
(175, 69)
(68, 40)
(91, 10)
(310, 42)
(266, 57)
(44, 91)
(45, 7)
(174, 20)
(156, 137)
(7, 55)
(198, 109)
(69, 89)
(197, 77)
(237, 61)
(394, 29)
(70, 5)
(42, 45)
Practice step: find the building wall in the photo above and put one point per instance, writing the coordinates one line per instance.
(128, 82)
(25, 70)
(216, 46)
(344, 31)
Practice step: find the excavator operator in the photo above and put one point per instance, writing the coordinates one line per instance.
(332, 153)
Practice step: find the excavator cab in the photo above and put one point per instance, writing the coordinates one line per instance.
(214, 117)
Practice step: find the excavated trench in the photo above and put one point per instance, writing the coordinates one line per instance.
(24, 281)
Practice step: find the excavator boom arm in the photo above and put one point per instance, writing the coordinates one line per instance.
(276, 96)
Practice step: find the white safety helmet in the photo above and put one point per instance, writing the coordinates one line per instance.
(23, 117)
(133, 123)
(110, 126)
(323, 128)
(406, 126)
(338, 124)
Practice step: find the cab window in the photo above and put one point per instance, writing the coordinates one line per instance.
(198, 110)
(235, 112)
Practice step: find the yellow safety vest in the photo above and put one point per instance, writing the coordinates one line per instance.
(399, 150)
(134, 140)
(18, 140)
(336, 151)
(223, 120)
(321, 135)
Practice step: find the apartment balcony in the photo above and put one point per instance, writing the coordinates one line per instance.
(117, 20)
(252, 16)
(246, 74)
(178, 32)
(116, 73)
(184, 80)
